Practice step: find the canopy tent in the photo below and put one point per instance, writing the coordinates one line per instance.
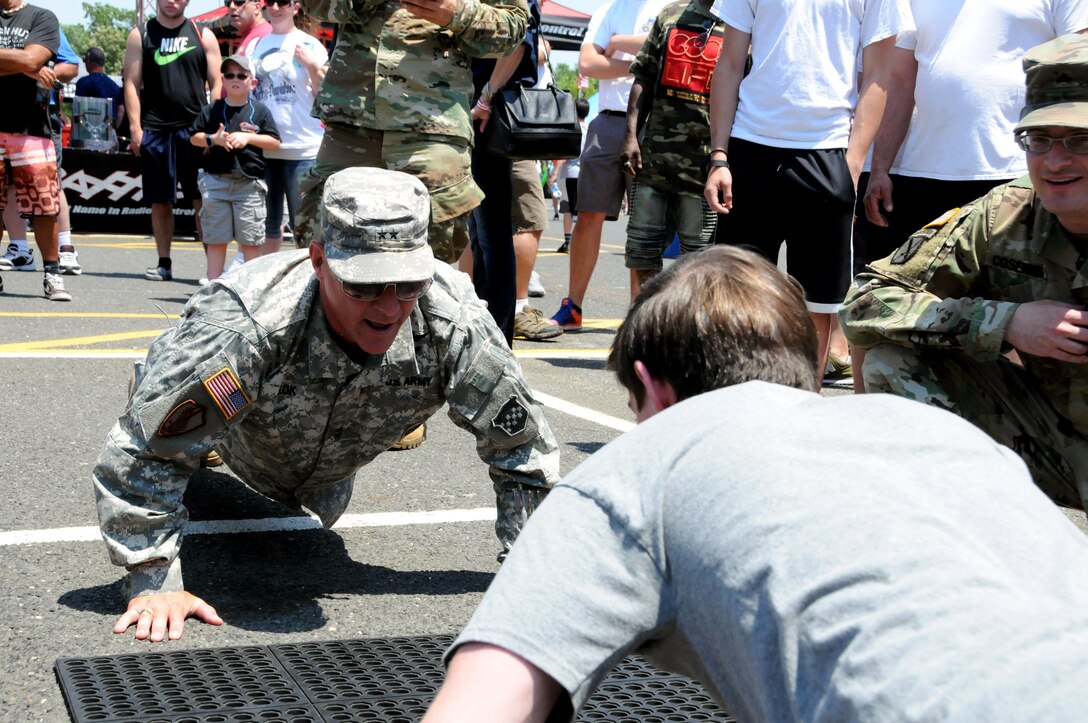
(563, 27)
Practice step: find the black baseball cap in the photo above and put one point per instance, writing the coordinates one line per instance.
(95, 55)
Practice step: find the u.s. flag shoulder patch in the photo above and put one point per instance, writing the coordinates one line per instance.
(227, 393)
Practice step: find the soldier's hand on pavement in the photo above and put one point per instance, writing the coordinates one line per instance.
(877, 194)
(719, 190)
(1051, 329)
(157, 617)
(439, 12)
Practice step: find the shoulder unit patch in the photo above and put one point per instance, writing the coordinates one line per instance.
(511, 417)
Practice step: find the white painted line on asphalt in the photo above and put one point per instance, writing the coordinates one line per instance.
(590, 415)
(270, 524)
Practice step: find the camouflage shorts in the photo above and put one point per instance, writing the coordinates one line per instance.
(1001, 399)
(443, 163)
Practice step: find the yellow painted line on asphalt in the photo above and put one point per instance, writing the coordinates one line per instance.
(64, 347)
(83, 315)
(32, 346)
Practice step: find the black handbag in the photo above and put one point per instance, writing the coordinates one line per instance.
(529, 124)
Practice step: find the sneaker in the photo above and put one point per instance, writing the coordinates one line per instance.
(1, 286)
(569, 315)
(531, 325)
(839, 372)
(536, 289)
(16, 260)
(564, 249)
(69, 261)
(158, 273)
(53, 285)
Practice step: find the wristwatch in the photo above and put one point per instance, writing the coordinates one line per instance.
(208, 139)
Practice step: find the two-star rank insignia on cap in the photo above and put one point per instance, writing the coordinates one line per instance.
(226, 392)
(511, 417)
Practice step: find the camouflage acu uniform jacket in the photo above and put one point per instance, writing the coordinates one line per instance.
(392, 71)
(675, 66)
(956, 283)
(252, 370)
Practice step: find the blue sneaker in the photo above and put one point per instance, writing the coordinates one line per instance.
(569, 315)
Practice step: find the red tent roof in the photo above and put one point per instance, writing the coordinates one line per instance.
(548, 7)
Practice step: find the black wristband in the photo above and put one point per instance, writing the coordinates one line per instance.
(717, 163)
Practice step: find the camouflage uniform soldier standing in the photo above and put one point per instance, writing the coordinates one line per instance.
(302, 367)
(397, 96)
(672, 87)
(1005, 272)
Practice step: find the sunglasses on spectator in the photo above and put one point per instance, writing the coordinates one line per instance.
(405, 290)
(281, 3)
(233, 76)
(1033, 143)
(235, 3)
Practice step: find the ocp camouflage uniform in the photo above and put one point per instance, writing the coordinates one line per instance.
(252, 370)
(933, 317)
(397, 95)
(675, 66)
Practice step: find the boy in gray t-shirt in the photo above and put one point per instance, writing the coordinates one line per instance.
(941, 584)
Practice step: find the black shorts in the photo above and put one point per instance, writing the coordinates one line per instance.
(804, 198)
(167, 160)
(917, 201)
(569, 204)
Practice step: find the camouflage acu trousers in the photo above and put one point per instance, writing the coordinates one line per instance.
(1001, 399)
(443, 163)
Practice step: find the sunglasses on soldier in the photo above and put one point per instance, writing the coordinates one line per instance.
(404, 290)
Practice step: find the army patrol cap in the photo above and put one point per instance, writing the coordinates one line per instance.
(374, 226)
(1057, 84)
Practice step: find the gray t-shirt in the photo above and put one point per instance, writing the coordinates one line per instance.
(807, 558)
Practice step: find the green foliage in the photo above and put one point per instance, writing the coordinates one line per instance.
(566, 78)
(106, 27)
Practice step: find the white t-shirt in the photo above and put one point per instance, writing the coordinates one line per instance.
(802, 89)
(284, 87)
(910, 573)
(970, 85)
(620, 17)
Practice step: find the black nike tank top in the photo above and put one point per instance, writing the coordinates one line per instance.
(174, 69)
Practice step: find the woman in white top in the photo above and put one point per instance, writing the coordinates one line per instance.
(289, 66)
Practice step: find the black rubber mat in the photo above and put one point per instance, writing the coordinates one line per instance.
(388, 679)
